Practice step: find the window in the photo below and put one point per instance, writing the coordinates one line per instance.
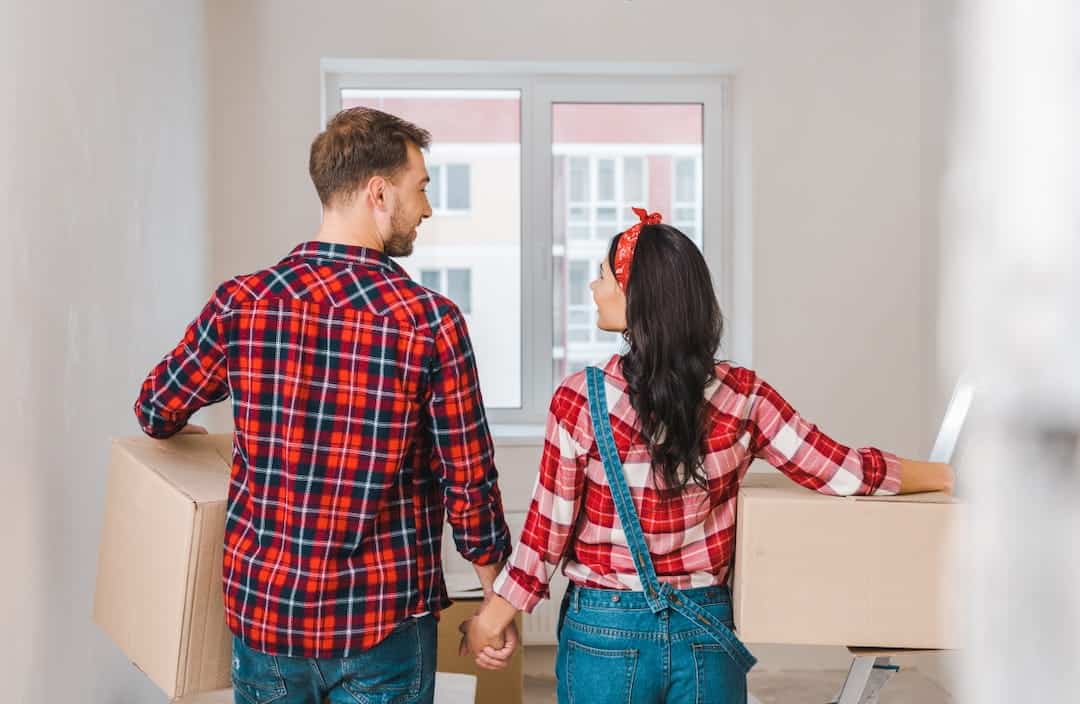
(449, 188)
(600, 194)
(534, 168)
(455, 284)
(603, 181)
(686, 196)
(470, 251)
(433, 279)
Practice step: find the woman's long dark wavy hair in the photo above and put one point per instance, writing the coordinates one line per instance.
(674, 326)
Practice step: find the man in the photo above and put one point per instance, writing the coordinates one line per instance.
(358, 422)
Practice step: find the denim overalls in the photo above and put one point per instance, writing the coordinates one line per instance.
(657, 645)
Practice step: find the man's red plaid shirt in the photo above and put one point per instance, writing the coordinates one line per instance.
(358, 423)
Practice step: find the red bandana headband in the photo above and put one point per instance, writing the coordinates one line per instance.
(624, 254)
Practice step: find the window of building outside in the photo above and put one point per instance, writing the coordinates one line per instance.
(470, 249)
(455, 284)
(493, 176)
(449, 190)
(610, 158)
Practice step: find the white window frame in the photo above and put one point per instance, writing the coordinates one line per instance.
(724, 219)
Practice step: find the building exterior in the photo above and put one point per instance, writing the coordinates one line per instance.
(607, 158)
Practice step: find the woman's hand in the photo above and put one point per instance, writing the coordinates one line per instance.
(916, 476)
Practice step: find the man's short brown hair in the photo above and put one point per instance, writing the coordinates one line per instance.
(357, 144)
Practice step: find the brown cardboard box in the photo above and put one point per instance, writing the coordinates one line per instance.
(859, 571)
(158, 592)
(505, 686)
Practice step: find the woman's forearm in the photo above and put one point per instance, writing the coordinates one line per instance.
(916, 476)
(497, 613)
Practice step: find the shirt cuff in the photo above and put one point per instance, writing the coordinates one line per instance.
(890, 485)
(499, 553)
(154, 423)
(487, 552)
(512, 585)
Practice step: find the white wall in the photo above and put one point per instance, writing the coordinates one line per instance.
(832, 93)
(104, 262)
(844, 119)
(110, 228)
(939, 20)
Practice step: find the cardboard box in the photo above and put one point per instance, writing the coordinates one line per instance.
(855, 571)
(159, 594)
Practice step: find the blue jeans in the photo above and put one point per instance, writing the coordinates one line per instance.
(613, 649)
(399, 670)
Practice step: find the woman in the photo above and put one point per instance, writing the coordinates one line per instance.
(638, 481)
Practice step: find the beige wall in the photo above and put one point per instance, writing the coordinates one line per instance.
(832, 94)
(104, 262)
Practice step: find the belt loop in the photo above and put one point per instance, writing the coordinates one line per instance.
(577, 600)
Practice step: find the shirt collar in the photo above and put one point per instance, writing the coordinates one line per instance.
(345, 253)
(613, 368)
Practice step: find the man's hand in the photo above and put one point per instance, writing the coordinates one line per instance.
(192, 429)
(496, 659)
(491, 646)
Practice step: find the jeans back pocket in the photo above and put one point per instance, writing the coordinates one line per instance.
(599, 675)
(389, 673)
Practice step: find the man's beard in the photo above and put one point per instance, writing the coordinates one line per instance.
(400, 241)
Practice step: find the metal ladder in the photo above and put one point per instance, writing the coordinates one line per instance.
(865, 679)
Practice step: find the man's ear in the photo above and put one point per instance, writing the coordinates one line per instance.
(376, 191)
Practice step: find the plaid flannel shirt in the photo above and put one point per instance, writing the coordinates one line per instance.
(358, 423)
(691, 537)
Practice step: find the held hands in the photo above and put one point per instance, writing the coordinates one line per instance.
(491, 645)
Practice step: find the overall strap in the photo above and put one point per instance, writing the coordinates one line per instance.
(659, 595)
(620, 492)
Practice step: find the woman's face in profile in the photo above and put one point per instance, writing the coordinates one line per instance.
(610, 301)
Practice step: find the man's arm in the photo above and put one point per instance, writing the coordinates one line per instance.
(487, 575)
(463, 452)
(191, 376)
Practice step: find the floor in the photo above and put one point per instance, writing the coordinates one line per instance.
(771, 685)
